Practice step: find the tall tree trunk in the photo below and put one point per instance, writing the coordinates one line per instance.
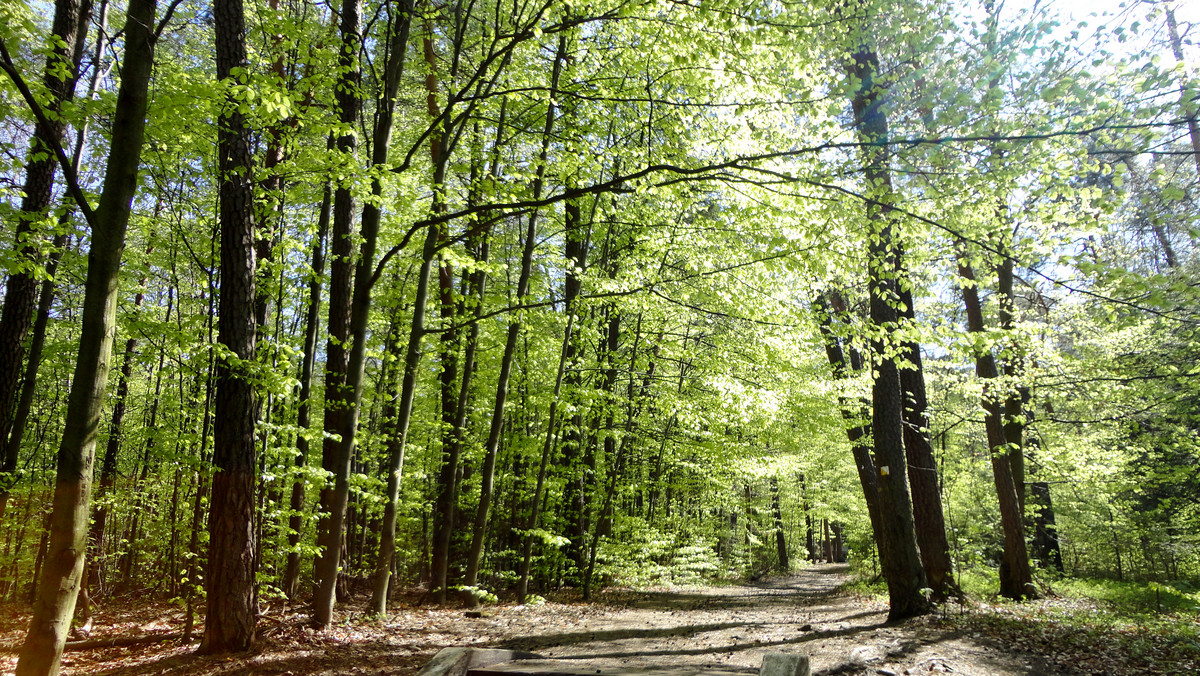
(929, 520)
(781, 550)
(447, 493)
(1189, 106)
(575, 250)
(1045, 546)
(37, 342)
(60, 579)
(312, 321)
(615, 459)
(1015, 579)
(487, 472)
(233, 545)
(337, 451)
(535, 509)
(108, 464)
(68, 34)
(898, 553)
(855, 413)
(1014, 399)
(397, 51)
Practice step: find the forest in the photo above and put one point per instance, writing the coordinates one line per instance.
(321, 301)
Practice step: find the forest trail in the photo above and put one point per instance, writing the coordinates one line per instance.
(733, 627)
(729, 628)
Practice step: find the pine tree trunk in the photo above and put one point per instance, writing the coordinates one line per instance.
(232, 593)
(60, 579)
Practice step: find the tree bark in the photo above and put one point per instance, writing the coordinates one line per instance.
(68, 33)
(898, 553)
(1016, 582)
(312, 322)
(928, 518)
(60, 578)
(233, 545)
(340, 404)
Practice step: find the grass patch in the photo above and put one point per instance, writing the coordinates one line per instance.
(1134, 598)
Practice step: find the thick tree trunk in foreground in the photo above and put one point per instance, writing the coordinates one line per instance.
(233, 544)
(60, 579)
(898, 554)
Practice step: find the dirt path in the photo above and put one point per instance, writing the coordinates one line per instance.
(736, 626)
(730, 627)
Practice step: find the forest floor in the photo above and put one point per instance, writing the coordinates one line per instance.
(729, 627)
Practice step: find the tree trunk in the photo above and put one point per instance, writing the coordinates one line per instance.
(487, 472)
(1045, 550)
(312, 321)
(1189, 106)
(1015, 579)
(68, 35)
(1014, 404)
(575, 464)
(447, 483)
(923, 475)
(340, 404)
(898, 553)
(108, 465)
(854, 413)
(37, 342)
(73, 484)
(233, 545)
(535, 509)
(781, 549)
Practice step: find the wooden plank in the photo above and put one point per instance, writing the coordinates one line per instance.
(592, 668)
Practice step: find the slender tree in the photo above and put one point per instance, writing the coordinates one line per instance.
(68, 34)
(60, 578)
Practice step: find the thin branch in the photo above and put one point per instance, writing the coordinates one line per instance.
(68, 168)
